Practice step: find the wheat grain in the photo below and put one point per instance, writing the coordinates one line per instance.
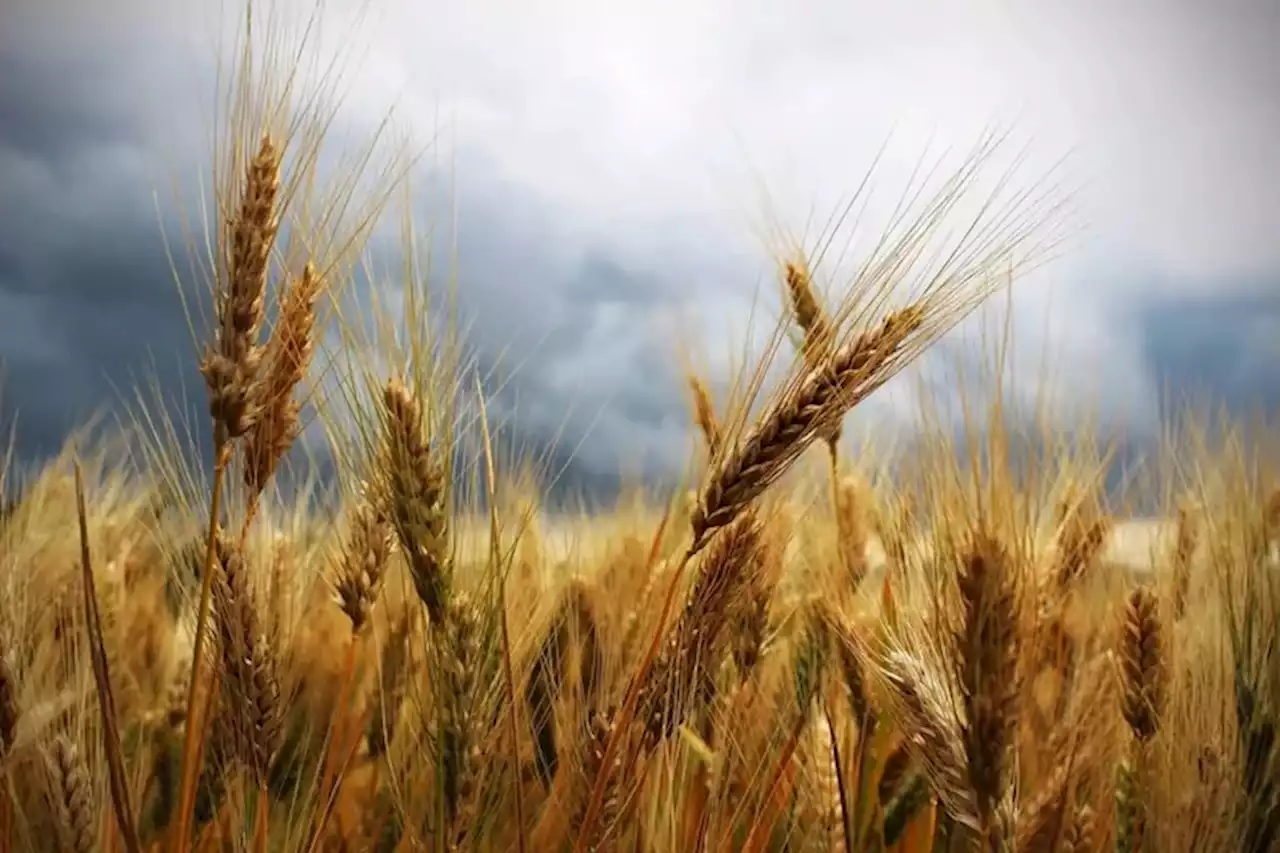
(286, 360)
(363, 563)
(71, 797)
(819, 400)
(986, 648)
(1141, 656)
(1079, 836)
(415, 494)
(251, 701)
(230, 368)
(704, 415)
(683, 676)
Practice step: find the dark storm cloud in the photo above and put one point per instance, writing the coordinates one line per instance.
(85, 285)
(1223, 348)
(576, 311)
(46, 108)
(565, 335)
(89, 303)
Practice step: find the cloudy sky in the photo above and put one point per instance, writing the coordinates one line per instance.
(615, 162)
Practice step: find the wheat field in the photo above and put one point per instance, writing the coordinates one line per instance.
(802, 647)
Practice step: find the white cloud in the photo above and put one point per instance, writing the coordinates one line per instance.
(626, 119)
(645, 131)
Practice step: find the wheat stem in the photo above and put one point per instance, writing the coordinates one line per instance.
(331, 772)
(194, 731)
(632, 696)
(495, 553)
(102, 679)
(261, 820)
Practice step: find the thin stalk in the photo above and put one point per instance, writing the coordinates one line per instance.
(333, 749)
(109, 833)
(495, 555)
(755, 839)
(261, 830)
(632, 697)
(119, 784)
(846, 816)
(833, 472)
(250, 513)
(194, 732)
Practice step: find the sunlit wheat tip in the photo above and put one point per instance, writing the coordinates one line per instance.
(819, 400)
(286, 361)
(415, 480)
(230, 367)
(704, 415)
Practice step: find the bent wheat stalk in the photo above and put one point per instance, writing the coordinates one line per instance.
(102, 678)
(495, 555)
(818, 400)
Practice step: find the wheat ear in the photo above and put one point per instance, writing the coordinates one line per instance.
(1142, 659)
(682, 677)
(287, 359)
(250, 681)
(363, 564)
(986, 657)
(819, 399)
(415, 498)
(70, 796)
(230, 368)
(704, 415)
(815, 325)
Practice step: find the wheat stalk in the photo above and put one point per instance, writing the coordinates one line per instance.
(682, 677)
(231, 372)
(394, 672)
